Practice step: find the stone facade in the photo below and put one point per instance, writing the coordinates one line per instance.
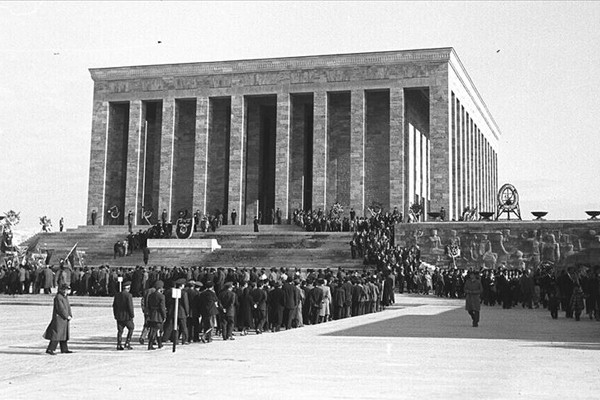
(389, 128)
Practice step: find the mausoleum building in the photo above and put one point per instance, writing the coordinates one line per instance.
(390, 128)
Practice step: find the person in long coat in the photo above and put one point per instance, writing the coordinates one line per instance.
(228, 302)
(275, 303)
(259, 305)
(244, 317)
(58, 329)
(290, 302)
(325, 310)
(473, 289)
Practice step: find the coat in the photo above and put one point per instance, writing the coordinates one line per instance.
(123, 306)
(325, 303)
(207, 300)
(259, 299)
(228, 301)
(473, 291)
(157, 311)
(58, 329)
(245, 308)
(290, 296)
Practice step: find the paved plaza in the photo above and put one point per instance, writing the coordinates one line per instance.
(423, 347)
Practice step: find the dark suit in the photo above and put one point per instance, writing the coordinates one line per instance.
(315, 298)
(291, 300)
(193, 321)
(259, 308)
(276, 306)
(123, 312)
(183, 310)
(228, 301)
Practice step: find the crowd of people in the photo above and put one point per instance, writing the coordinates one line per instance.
(220, 301)
(571, 290)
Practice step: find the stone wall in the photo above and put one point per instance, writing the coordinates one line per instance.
(514, 244)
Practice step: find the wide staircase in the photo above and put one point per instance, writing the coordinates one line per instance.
(274, 246)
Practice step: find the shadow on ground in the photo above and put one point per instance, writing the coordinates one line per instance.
(496, 323)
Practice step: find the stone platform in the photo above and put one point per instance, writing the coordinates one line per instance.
(423, 347)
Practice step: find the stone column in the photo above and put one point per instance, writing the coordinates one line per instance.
(236, 158)
(201, 156)
(167, 145)
(477, 169)
(319, 196)
(397, 162)
(481, 173)
(488, 185)
(469, 163)
(97, 177)
(357, 151)
(134, 154)
(440, 146)
(282, 156)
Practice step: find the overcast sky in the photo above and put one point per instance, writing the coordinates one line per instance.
(535, 64)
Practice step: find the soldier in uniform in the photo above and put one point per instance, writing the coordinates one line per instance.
(123, 313)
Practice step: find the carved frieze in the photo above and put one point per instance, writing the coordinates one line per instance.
(313, 76)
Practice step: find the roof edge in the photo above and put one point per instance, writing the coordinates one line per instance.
(271, 64)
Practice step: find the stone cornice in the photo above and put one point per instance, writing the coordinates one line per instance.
(272, 64)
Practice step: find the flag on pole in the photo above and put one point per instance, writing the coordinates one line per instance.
(71, 255)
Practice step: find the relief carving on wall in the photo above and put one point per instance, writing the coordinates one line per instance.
(519, 248)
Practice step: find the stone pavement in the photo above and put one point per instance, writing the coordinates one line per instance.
(422, 347)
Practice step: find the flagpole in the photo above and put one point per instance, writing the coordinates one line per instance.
(68, 254)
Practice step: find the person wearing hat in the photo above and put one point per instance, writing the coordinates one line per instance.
(157, 313)
(228, 301)
(123, 313)
(183, 311)
(473, 289)
(208, 303)
(58, 329)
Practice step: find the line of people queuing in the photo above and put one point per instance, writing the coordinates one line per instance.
(215, 302)
(219, 302)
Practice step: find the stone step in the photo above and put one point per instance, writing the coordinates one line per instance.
(276, 245)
